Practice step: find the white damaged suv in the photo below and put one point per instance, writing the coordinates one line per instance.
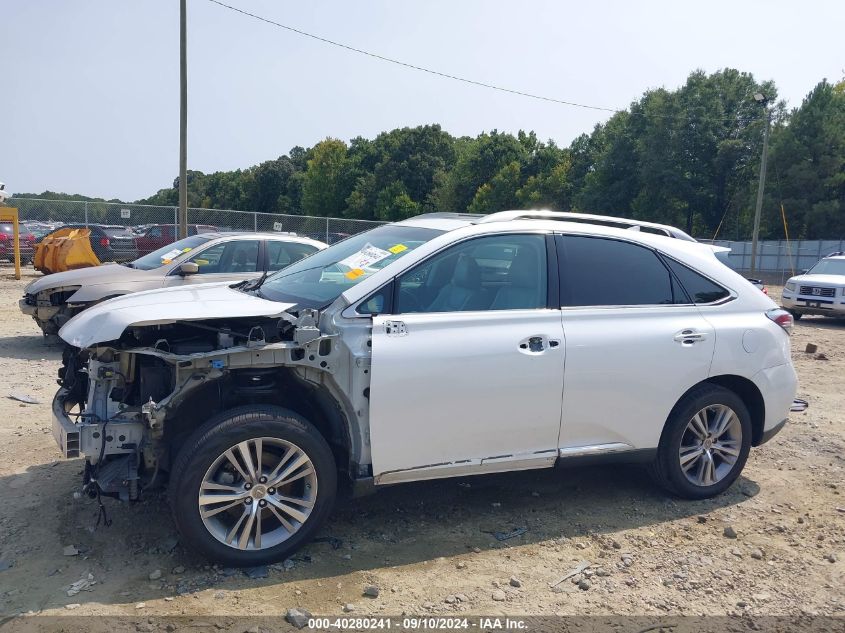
(438, 346)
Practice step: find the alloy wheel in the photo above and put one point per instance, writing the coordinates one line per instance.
(710, 445)
(258, 493)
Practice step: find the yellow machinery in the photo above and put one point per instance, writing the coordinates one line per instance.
(10, 214)
(65, 249)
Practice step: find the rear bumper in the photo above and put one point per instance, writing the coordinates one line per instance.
(778, 386)
(767, 435)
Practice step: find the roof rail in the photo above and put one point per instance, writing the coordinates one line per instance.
(588, 218)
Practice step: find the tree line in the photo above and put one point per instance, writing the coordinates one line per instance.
(688, 157)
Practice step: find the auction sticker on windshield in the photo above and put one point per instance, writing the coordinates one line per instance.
(367, 256)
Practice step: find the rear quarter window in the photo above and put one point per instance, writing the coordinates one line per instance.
(698, 287)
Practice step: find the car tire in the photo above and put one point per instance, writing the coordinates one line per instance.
(204, 465)
(695, 463)
(796, 315)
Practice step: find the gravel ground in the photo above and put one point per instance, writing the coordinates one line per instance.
(772, 545)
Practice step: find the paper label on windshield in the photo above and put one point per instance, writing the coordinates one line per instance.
(367, 256)
(397, 249)
(169, 255)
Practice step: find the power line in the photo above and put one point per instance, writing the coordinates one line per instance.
(413, 66)
(473, 82)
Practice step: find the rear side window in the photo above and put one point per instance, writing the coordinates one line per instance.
(701, 289)
(597, 271)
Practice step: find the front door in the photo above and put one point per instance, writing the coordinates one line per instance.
(467, 371)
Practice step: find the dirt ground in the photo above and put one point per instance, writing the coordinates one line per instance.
(429, 547)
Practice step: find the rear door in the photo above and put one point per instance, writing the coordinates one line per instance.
(467, 378)
(635, 343)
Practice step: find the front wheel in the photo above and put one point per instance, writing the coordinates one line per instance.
(252, 485)
(705, 444)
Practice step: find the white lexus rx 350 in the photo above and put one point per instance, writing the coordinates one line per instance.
(438, 346)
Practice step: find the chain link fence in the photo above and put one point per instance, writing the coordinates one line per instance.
(139, 217)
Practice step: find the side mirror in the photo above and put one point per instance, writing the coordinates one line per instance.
(805, 271)
(188, 268)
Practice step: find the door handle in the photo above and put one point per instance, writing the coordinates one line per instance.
(690, 336)
(537, 344)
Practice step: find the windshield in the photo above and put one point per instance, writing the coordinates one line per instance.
(318, 280)
(166, 254)
(828, 267)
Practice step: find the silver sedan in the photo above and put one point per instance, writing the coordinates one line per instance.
(204, 258)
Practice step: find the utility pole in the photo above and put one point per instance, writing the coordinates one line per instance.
(183, 120)
(764, 101)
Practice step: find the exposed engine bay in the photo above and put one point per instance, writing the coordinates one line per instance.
(128, 405)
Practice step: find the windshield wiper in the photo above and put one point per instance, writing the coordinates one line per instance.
(255, 285)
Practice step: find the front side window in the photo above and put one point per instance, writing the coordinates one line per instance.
(497, 272)
(239, 256)
(598, 271)
(282, 254)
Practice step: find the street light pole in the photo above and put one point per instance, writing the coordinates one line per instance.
(183, 121)
(755, 236)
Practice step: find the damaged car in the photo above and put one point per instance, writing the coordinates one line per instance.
(439, 346)
(54, 299)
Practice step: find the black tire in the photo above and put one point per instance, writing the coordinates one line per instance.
(666, 469)
(224, 431)
(796, 315)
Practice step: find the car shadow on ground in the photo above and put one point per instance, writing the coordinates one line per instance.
(400, 525)
(31, 347)
(826, 323)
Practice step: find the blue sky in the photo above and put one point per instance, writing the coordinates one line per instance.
(91, 101)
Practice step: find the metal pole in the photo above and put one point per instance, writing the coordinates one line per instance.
(327, 230)
(86, 213)
(183, 120)
(759, 208)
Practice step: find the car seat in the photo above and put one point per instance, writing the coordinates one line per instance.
(524, 283)
(463, 292)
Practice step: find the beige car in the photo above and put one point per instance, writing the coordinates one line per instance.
(208, 257)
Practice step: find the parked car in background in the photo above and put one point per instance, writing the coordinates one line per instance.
(758, 283)
(206, 257)
(444, 345)
(26, 240)
(39, 229)
(110, 243)
(820, 290)
(157, 235)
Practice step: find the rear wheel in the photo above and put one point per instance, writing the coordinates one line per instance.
(252, 485)
(705, 443)
(795, 315)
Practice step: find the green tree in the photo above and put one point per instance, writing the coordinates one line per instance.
(326, 184)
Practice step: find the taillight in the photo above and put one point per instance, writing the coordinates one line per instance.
(4, 237)
(782, 318)
(104, 241)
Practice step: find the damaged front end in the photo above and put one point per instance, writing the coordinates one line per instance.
(127, 405)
